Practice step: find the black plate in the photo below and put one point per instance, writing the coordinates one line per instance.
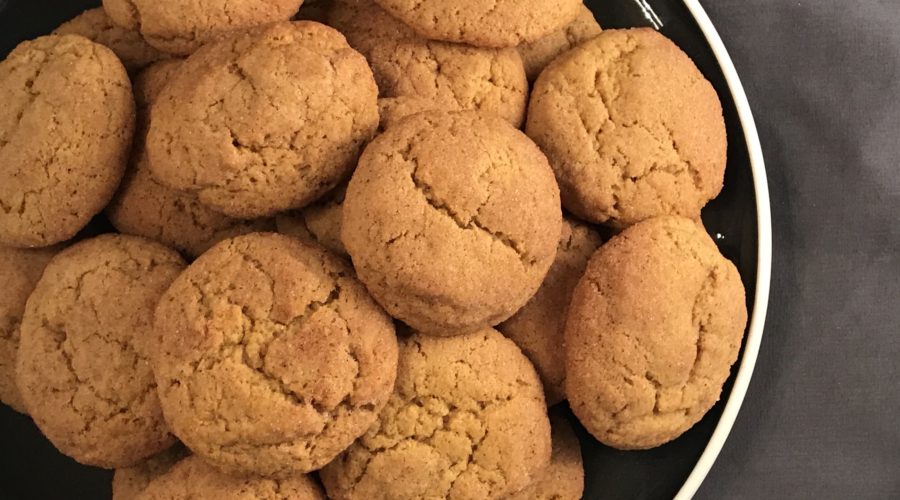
(30, 468)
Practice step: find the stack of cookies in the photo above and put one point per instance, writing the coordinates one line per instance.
(340, 266)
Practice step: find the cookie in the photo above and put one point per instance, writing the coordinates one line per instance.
(467, 420)
(273, 357)
(83, 367)
(144, 207)
(415, 74)
(319, 222)
(128, 483)
(653, 329)
(65, 130)
(20, 271)
(264, 122)
(192, 478)
(538, 327)
(134, 52)
(452, 221)
(563, 479)
(631, 127)
(183, 26)
(539, 53)
(501, 23)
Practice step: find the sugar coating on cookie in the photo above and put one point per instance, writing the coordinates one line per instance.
(501, 23)
(65, 130)
(452, 221)
(631, 127)
(273, 356)
(415, 74)
(84, 356)
(134, 52)
(193, 478)
(539, 53)
(467, 420)
(537, 328)
(20, 271)
(183, 26)
(563, 479)
(128, 483)
(264, 122)
(653, 329)
(319, 222)
(144, 207)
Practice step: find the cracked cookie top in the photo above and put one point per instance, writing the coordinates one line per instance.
(128, 482)
(499, 23)
(65, 131)
(267, 121)
(193, 478)
(563, 479)
(539, 53)
(631, 127)
(182, 26)
(415, 74)
(273, 356)
(653, 329)
(452, 221)
(467, 420)
(84, 356)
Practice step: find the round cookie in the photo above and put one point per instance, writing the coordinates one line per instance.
(653, 329)
(65, 130)
(134, 52)
(415, 74)
(538, 327)
(501, 23)
(273, 357)
(83, 366)
(467, 420)
(267, 121)
(631, 128)
(193, 478)
(539, 53)
(183, 26)
(128, 483)
(144, 207)
(319, 222)
(20, 271)
(563, 479)
(452, 221)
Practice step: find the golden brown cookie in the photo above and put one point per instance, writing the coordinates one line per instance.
(563, 479)
(144, 207)
(319, 222)
(83, 366)
(538, 327)
(134, 52)
(193, 478)
(467, 420)
(273, 357)
(415, 74)
(267, 121)
(182, 26)
(500, 23)
(20, 271)
(452, 221)
(653, 329)
(128, 483)
(65, 130)
(539, 53)
(631, 127)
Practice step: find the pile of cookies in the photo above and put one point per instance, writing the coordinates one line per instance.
(340, 265)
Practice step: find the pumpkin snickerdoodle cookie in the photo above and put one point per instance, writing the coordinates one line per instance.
(452, 221)
(128, 482)
(653, 329)
(467, 420)
(134, 52)
(563, 479)
(273, 357)
(65, 131)
(631, 127)
(83, 366)
(539, 53)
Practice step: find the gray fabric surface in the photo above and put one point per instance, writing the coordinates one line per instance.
(822, 416)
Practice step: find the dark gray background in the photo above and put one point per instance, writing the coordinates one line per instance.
(822, 416)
